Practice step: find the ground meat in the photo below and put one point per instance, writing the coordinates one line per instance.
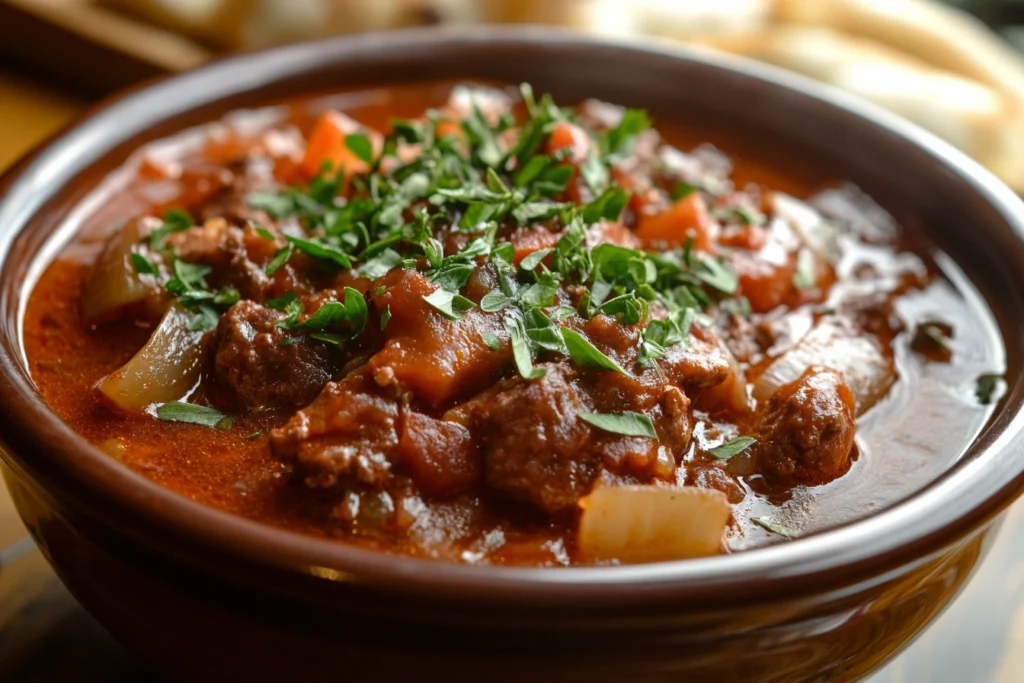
(348, 434)
(253, 371)
(805, 430)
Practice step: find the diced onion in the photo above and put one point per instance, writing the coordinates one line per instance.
(113, 283)
(634, 524)
(812, 228)
(864, 368)
(163, 370)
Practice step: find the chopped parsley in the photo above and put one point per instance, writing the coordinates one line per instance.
(627, 424)
(733, 447)
(774, 527)
(193, 414)
(987, 388)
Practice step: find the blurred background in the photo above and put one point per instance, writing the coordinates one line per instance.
(954, 67)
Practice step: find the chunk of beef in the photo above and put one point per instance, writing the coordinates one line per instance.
(349, 433)
(805, 430)
(236, 255)
(255, 372)
(536, 447)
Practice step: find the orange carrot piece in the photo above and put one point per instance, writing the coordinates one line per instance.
(687, 218)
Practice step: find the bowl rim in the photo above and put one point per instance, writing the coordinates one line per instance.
(951, 507)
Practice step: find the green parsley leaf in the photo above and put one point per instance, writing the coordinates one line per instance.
(385, 316)
(586, 354)
(774, 527)
(193, 414)
(451, 305)
(453, 275)
(542, 332)
(175, 220)
(531, 212)
(540, 293)
(361, 146)
(255, 435)
(716, 274)
(733, 447)
(321, 250)
(379, 265)
(142, 265)
(205, 319)
(491, 340)
(279, 259)
(494, 301)
(682, 190)
(608, 206)
(595, 173)
(281, 302)
(987, 387)
(276, 204)
(521, 353)
(532, 260)
(563, 312)
(627, 424)
(620, 140)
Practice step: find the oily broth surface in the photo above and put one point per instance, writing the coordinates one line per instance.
(907, 440)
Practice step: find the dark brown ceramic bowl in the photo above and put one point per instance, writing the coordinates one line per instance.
(212, 597)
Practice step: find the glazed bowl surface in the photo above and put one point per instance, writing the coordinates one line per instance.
(205, 595)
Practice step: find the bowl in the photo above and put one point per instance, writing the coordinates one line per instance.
(207, 596)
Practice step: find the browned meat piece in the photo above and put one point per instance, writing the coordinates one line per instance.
(805, 431)
(255, 372)
(236, 255)
(349, 433)
(535, 446)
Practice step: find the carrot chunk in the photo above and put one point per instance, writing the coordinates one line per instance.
(327, 144)
(687, 218)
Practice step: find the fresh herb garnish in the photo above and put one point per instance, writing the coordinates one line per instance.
(586, 355)
(732, 447)
(279, 259)
(774, 527)
(385, 316)
(453, 306)
(361, 146)
(627, 424)
(986, 388)
(142, 265)
(521, 352)
(193, 414)
(321, 250)
(491, 340)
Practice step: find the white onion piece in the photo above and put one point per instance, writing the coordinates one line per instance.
(812, 228)
(634, 524)
(113, 283)
(163, 370)
(864, 368)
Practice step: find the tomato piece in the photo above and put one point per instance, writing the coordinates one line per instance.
(439, 359)
(572, 137)
(686, 218)
(441, 456)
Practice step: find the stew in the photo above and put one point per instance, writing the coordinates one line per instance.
(463, 322)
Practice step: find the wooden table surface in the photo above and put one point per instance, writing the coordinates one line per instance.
(45, 636)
